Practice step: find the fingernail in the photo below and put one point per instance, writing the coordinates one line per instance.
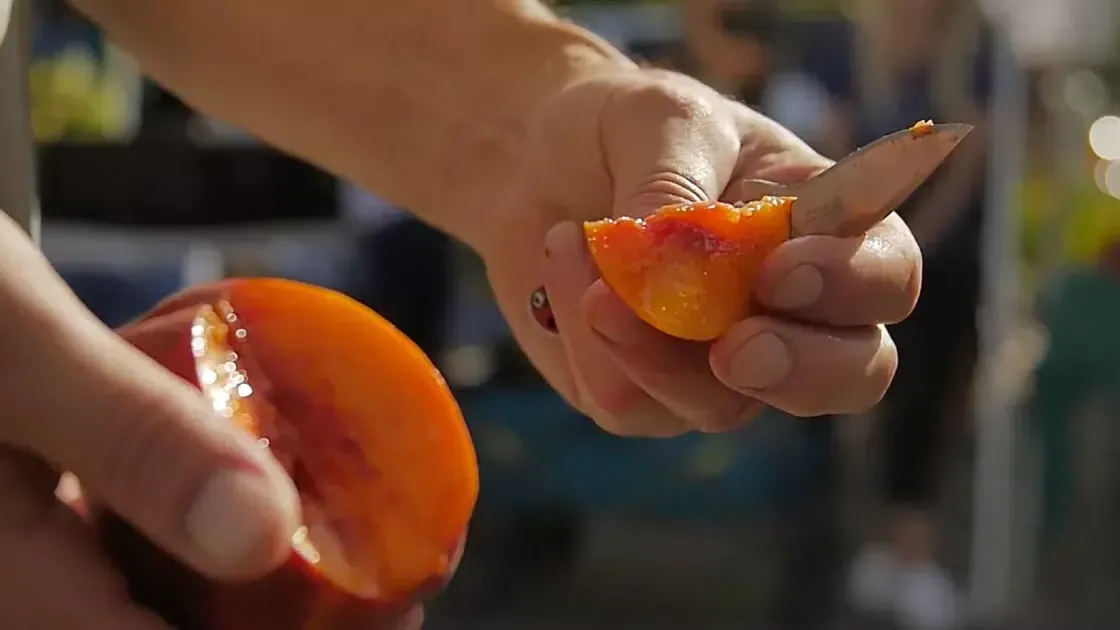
(610, 317)
(760, 363)
(800, 288)
(240, 520)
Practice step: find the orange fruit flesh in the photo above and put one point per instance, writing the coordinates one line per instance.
(921, 128)
(688, 270)
(361, 420)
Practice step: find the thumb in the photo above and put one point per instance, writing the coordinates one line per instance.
(150, 448)
(667, 141)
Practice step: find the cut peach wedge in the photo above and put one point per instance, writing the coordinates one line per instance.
(688, 270)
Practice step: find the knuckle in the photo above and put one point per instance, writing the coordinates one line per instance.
(665, 97)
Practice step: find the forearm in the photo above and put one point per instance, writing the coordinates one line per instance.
(424, 102)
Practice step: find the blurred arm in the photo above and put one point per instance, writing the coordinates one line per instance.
(424, 102)
(837, 137)
(939, 210)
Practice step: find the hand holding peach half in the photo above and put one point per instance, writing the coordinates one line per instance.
(365, 427)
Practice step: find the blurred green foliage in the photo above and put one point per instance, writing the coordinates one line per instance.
(1089, 220)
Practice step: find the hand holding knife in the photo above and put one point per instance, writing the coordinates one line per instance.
(853, 195)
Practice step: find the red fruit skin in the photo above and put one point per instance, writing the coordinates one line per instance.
(293, 597)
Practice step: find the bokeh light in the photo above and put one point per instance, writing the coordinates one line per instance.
(1104, 137)
(1107, 176)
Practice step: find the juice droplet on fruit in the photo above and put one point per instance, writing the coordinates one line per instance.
(219, 375)
(302, 544)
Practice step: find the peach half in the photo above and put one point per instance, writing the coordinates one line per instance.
(367, 429)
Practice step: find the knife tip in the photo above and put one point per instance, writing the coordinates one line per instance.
(955, 130)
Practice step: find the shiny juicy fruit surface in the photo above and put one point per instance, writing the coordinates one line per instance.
(360, 419)
(688, 270)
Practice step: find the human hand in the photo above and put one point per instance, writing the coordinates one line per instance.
(627, 143)
(143, 443)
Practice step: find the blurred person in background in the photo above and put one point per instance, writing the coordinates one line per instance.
(743, 49)
(494, 121)
(912, 60)
(663, 54)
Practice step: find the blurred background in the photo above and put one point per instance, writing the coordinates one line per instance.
(984, 491)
